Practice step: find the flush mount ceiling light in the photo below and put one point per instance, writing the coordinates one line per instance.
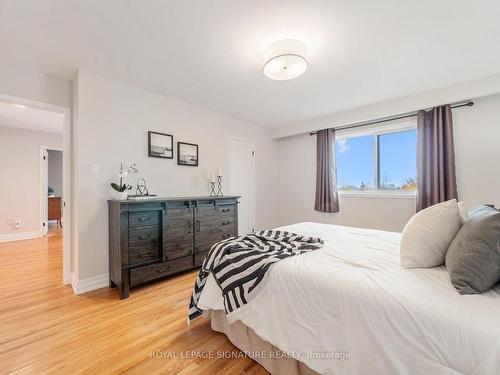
(285, 59)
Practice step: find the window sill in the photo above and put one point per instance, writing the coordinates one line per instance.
(378, 194)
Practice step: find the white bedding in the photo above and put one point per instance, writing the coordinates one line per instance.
(353, 296)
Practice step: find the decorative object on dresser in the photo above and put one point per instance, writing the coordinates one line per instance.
(160, 145)
(121, 188)
(141, 191)
(216, 190)
(152, 239)
(187, 154)
(54, 209)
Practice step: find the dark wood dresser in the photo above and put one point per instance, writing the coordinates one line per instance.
(54, 209)
(154, 238)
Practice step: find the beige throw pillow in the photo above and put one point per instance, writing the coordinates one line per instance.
(428, 234)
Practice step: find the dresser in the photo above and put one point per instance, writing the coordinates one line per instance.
(54, 209)
(154, 238)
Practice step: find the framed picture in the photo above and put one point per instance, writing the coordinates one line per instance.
(160, 145)
(187, 154)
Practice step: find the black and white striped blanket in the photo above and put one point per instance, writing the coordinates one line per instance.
(240, 263)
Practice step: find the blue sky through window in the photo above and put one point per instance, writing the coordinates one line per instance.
(398, 158)
(355, 158)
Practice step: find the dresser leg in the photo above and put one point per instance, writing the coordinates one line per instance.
(124, 290)
(112, 284)
(124, 285)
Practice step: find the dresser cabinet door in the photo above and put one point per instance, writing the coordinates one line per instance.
(208, 228)
(178, 232)
(213, 223)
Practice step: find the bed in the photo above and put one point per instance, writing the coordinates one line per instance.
(350, 308)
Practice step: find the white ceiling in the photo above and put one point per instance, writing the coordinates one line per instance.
(16, 116)
(209, 52)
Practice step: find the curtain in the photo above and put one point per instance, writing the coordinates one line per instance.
(326, 179)
(436, 157)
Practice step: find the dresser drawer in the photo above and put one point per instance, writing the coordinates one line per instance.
(140, 255)
(144, 274)
(227, 210)
(144, 245)
(227, 223)
(143, 219)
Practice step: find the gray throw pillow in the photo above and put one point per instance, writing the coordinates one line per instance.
(473, 258)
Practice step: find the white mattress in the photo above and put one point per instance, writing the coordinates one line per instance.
(353, 296)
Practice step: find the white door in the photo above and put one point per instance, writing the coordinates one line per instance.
(242, 181)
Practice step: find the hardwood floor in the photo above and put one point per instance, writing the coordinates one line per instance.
(44, 328)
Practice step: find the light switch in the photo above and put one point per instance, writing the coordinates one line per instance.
(94, 169)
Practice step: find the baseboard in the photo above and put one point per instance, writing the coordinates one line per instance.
(18, 236)
(89, 284)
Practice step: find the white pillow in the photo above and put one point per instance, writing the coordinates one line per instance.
(428, 234)
(463, 212)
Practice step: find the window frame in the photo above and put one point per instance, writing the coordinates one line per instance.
(376, 132)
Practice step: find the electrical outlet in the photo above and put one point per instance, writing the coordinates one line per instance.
(17, 224)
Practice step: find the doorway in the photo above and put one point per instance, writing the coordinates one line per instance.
(52, 188)
(32, 125)
(242, 181)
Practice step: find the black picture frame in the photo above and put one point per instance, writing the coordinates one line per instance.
(154, 149)
(187, 148)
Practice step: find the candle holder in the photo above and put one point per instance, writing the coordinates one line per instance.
(212, 189)
(219, 186)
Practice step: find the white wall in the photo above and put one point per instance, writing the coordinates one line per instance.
(29, 84)
(477, 88)
(112, 120)
(55, 171)
(477, 136)
(20, 168)
(477, 149)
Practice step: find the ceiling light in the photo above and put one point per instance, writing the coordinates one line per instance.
(19, 106)
(285, 59)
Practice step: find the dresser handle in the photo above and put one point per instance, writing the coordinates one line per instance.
(189, 226)
(147, 218)
(226, 209)
(168, 268)
(143, 255)
(144, 237)
(198, 225)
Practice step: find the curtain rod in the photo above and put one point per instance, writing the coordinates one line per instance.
(386, 119)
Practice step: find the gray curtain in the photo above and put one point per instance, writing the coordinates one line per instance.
(326, 178)
(436, 157)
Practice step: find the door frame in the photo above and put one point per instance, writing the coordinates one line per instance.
(230, 190)
(44, 183)
(67, 169)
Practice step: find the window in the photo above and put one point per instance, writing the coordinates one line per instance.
(379, 161)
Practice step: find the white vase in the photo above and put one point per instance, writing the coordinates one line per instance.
(121, 195)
